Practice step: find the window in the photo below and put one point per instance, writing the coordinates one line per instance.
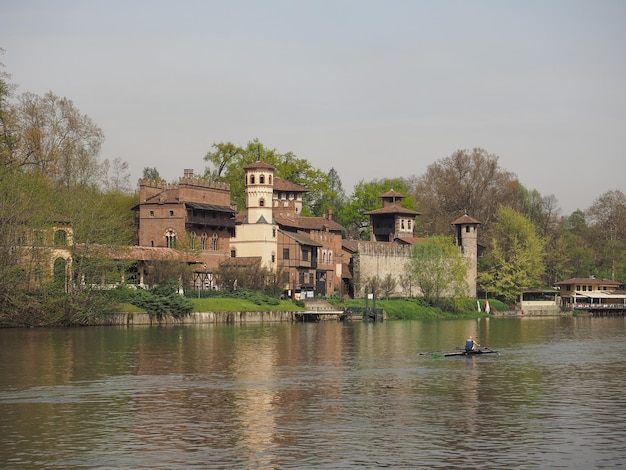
(60, 238)
(233, 253)
(170, 239)
(285, 253)
(330, 256)
(269, 179)
(301, 278)
(467, 229)
(151, 214)
(192, 240)
(262, 179)
(203, 240)
(252, 179)
(409, 224)
(171, 213)
(402, 224)
(261, 202)
(273, 233)
(214, 242)
(305, 254)
(273, 258)
(311, 278)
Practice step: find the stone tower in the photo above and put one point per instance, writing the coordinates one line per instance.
(466, 239)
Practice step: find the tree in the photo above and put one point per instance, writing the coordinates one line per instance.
(57, 140)
(607, 218)
(437, 268)
(115, 176)
(515, 261)
(469, 182)
(151, 174)
(227, 162)
(366, 197)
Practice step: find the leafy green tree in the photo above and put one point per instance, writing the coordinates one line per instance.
(437, 268)
(227, 162)
(515, 261)
(151, 174)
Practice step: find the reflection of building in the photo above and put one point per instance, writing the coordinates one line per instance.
(304, 252)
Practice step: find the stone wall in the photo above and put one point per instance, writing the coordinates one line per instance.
(198, 318)
(377, 259)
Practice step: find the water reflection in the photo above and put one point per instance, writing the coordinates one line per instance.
(315, 395)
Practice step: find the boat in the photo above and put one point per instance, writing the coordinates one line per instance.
(473, 352)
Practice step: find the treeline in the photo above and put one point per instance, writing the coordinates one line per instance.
(51, 173)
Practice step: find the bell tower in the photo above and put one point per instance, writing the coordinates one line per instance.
(259, 192)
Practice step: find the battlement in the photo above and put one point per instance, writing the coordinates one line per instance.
(184, 181)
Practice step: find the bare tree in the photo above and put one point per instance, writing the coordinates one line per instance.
(56, 140)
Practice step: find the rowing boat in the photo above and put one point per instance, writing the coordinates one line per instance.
(470, 353)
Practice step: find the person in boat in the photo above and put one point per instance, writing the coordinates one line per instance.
(471, 345)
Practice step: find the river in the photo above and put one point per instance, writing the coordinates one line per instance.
(324, 395)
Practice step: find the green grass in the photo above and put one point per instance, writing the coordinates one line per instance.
(227, 304)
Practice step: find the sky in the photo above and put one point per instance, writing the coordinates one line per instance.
(373, 89)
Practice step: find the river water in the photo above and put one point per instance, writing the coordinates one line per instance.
(325, 395)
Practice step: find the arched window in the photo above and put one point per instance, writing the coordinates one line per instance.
(251, 179)
(261, 202)
(262, 179)
(330, 256)
(269, 179)
(60, 238)
(203, 240)
(170, 238)
(214, 242)
(192, 240)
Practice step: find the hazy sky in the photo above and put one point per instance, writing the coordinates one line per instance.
(372, 88)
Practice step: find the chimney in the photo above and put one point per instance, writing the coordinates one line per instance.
(188, 173)
(330, 214)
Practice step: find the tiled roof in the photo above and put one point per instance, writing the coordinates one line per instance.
(243, 261)
(284, 185)
(588, 281)
(392, 194)
(465, 219)
(392, 210)
(259, 164)
(210, 207)
(308, 223)
(300, 238)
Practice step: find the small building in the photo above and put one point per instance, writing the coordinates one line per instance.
(539, 302)
(592, 293)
